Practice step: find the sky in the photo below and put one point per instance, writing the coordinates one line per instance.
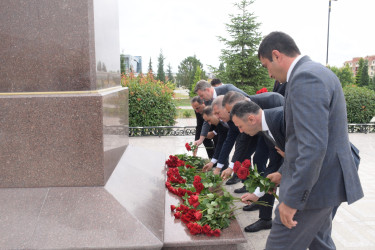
(183, 28)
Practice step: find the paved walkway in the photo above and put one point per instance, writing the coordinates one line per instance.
(354, 225)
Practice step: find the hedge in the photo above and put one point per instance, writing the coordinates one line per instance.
(150, 101)
(360, 104)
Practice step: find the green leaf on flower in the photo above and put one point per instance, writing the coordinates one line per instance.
(214, 203)
(210, 211)
(210, 196)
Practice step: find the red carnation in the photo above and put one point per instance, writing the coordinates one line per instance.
(246, 163)
(173, 207)
(198, 215)
(236, 166)
(206, 229)
(198, 187)
(187, 146)
(217, 232)
(242, 173)
(177, 215)
(197, 178)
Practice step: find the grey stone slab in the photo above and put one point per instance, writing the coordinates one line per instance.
(176, 234)
(82, 218)
(138, 184)
(19, 212)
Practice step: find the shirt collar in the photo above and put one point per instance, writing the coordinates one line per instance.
(214, 95)
(292, 67)
(264, 123)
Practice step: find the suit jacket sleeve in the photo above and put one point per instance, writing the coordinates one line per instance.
(222, 135)
(309, 104)
(198, 128)
(233, 132)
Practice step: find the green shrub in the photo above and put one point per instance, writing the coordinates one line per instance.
(360, 104)
(150, 101)
(186, 113)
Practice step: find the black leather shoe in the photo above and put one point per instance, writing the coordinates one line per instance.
(233, 180)
(251, 207)
(240, 190)
(259, 225)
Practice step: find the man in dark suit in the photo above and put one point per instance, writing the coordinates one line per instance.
(252, 120)
(318, 172)
(221, 130)
(198, 106)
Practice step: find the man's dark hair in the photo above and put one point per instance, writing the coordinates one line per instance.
(243, 108)
(232, 96)
(196, 99)
(215, 82)
(278, 41)
(207, 111)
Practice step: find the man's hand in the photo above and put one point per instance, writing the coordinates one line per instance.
(226, 173)
(217, 171)
(286, 215)
(207, 167)
(275, 178)
(248, 198)
(197, 143)
(282, 153)
(210, 135)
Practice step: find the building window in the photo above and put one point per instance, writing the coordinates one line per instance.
(357, 64)
(350, 64)
(373, 62)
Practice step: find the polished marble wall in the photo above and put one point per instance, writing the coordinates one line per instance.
(54, 45)
(64, 115)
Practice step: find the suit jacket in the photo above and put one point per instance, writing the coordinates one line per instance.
(318, 170)
(265, 101)
(222, 132)
(221, 90)
(275, 121)
(198, 127)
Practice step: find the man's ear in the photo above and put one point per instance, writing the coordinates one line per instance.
(276, 55)
(251, 119)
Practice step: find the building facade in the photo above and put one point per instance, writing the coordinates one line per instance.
(132, 63)
(354, 64)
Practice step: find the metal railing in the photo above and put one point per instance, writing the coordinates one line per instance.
(190, 130)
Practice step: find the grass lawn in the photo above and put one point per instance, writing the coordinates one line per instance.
(185, 113)
(181, 102)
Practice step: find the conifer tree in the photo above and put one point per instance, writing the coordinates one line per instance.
(242, 65)
(150, 67)
(161, 74)
(169, 73)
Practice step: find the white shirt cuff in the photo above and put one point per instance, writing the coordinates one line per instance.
(213, 160)
(214, 132)
(231, 165)
(258, 193)
(219, 165)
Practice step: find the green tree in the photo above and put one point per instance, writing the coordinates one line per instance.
(161, 74)
(186, 71)
(344, 74)
(122, 63)
(169, 73)
(358, 76)
(150, 67)
(197, 78)
(242, 66)
(365, 79)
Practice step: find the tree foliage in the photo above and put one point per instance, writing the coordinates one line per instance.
(360, 104)
(149, 70)
(161, 74)
(186, 71)
(344, 74)
(197, 78)
(169, 73)
(242, 66)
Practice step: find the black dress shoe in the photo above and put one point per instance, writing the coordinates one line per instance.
(233, 180)
(251, 207)
(240, 190)
(259, 225)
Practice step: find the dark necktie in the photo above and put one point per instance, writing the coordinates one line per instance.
(267, 135)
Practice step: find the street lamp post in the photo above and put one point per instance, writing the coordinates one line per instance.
(329, 15)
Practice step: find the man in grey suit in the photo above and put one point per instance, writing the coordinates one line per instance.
(318, 172)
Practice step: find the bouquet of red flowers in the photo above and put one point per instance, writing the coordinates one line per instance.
(206, 208)
(253, 179)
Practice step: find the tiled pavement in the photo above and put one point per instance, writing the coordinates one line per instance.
(353, 226)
